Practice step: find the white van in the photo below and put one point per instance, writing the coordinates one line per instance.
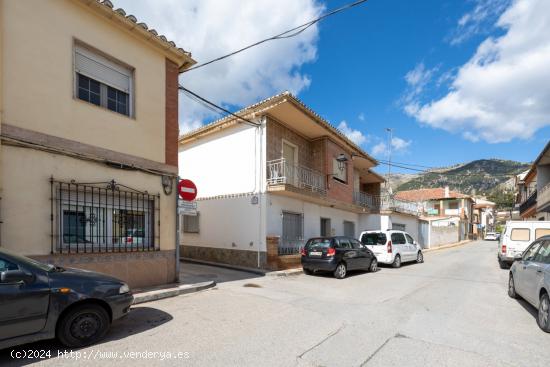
(517, 236)
(392, 247)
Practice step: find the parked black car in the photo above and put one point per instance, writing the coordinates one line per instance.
(42, 301)
(337, 255)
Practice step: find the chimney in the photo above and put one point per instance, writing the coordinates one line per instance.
(446, 191)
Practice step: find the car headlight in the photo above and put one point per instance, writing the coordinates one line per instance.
(124, 288)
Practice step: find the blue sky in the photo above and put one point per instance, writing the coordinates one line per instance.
(456, 80)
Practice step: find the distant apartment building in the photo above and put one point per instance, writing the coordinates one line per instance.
(533, 190)
(89, 129)
(267, 184)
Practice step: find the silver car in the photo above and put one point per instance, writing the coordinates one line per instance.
(530, 279)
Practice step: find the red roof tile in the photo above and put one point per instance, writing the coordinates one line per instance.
(428, 194)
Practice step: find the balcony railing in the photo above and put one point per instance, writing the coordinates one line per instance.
(543, 200)
(366, 200)
(531, 200)
(281, 172)
(390, 203)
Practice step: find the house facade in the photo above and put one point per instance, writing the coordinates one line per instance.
(267, 184)
(484, 217)
(89, 128)
(533, 192)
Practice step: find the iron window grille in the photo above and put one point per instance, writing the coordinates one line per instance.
(103, 217)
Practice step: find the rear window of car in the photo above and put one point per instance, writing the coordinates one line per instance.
(318, 243)
(520, 234)
(539, 232)
(374, 238)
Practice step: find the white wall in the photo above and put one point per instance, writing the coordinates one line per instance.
(313, 213)
(231, 223)
(411, 223)
(227, 162)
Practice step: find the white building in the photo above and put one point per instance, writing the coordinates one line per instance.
(267, 184)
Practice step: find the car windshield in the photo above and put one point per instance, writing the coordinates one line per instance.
(28, 261)
(373, 238)
(318, 243)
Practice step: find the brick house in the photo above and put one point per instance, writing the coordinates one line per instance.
(267, 186)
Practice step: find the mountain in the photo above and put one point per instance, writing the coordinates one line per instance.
(481, 177)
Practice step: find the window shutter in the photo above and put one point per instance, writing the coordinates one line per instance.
(101, 69)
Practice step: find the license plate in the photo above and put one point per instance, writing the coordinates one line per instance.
(315, 253)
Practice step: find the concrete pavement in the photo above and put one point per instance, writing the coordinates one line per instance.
(452, 310)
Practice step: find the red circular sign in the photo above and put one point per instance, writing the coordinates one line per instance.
(187, 190)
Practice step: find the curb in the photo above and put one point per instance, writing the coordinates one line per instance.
(171, 292)
(225, 266)
(262, 272)
(447, 246)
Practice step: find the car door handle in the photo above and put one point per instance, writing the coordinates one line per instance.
(539, 271)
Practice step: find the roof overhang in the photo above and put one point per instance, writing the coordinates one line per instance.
(175, 54)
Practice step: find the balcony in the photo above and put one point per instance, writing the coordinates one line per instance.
(280, 172)
(543, 200)
(407, 207)
(366, 200)
(527, 204)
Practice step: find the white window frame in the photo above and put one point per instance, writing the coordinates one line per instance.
(184, 222)
(110, 63)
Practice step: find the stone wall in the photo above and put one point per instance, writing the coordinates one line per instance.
(224, 255)
(138, 269)
(440, 236)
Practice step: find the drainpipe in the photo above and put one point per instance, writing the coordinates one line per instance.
(177, 234)
(260, 187)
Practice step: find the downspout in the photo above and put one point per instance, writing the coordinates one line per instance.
(260, 188)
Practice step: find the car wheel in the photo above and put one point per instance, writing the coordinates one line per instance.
(543, 318)
(340, 271)
(373, 266)
(396, 262)
(512, 287)
(83, 325)
(419, 257)
(308, 271)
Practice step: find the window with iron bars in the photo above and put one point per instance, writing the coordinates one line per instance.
(102, 217)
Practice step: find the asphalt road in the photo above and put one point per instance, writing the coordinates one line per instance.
(452, 310)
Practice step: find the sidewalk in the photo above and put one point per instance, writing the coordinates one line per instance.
(451, 245)
(257, 271)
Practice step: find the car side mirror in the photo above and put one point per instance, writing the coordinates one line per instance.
(518, 257)
(14, 276)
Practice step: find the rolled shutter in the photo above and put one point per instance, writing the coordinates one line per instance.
(101, 69)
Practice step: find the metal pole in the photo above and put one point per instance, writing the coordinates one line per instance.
(177, 233)
(390, 140)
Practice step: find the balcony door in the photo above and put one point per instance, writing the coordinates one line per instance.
(290, 155)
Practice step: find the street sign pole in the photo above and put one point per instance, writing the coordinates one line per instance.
(177, 235)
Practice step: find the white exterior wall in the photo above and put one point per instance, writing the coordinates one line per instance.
(312, 216)
(228, 162)
(411, 223)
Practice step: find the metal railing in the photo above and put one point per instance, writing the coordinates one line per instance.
(531, 200)
(281, 172)
(390, 203)
(366, 200)
(102, 217)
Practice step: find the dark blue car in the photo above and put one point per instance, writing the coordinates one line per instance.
(337, 255)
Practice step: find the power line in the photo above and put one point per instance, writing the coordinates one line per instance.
(212, 106)
(286, 34)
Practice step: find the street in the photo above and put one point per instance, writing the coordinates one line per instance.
(453, 310)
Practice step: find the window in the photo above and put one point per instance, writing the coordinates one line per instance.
(191, 223)
(453, 205)
(6, 265)
(102, 81)
(340, 170)
(530, 253)
(398, 239)
(356, 244)
(377, 238)
(325, 227)
(293, 233)
(539, 232)
(399, 226)
(520, 234)
(409, 238)
(103, 217)
(344, 243)
(543, 256)
(349, 229)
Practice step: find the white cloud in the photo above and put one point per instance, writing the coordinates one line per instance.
(478, 21)
(211, 28)
(355, 136)
(502, 92)
(399, 146)
(417, 79)
(361, 116)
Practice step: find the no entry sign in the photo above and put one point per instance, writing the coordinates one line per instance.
(187, 190)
